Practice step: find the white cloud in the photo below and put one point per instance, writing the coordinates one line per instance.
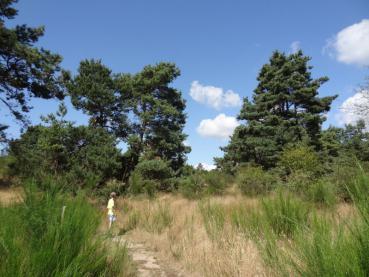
(348, 113)
(206, 166)
(295, 46)
(351, 45)
(213, 96)
(221, 126)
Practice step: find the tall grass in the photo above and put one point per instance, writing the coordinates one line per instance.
(285, 213)
(214, 219)
(326, 247)
(36, 240)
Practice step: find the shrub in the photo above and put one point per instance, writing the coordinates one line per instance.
(110, 186)
(299, 182)
(85, 156)
(254, 180)
(150, 176)
(345, 172)
(191, 187)
(138, 185)
(322, 192)
(215, 182)
(300, 158)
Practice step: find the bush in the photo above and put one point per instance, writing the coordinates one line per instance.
(191, 187)
(322, 193)
(85, 156)
(112, 185)
(5, 172)
(344, 175)
(254, 180)
(215, 182)
(36, 240)
(300, 158)
(150, 176)
(138, 185)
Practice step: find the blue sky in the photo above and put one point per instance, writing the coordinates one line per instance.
(221, 44)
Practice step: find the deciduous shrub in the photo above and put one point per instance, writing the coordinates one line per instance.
(150, 176)
(300, 158)
(254, 180)
(322, 192)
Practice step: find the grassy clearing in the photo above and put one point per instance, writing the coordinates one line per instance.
(235, 235)
(36, 240)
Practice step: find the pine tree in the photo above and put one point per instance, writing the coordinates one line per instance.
(285, 109)
(159, 116)
(25, 70)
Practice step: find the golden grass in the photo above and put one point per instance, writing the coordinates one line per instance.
(10, 195)
(185, 242)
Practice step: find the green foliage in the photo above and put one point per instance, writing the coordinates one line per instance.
(285, 214)
(254, 180)
(5, 171)
(37, 241)
(300, 158)
(285, 110)
(248, 221)
(215, 182)
(155, 110)
(84, 156)
(150, 176)
(343, 175)
(322, 192)
(325, 247)
(95, 91)
(203, 183)
(191, 187)
(26, 70)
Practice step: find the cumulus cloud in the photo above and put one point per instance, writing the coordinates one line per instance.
(351, 45)
(221, 126)
(295, 46)
(206, 166)
(213, 96)
(349, 113)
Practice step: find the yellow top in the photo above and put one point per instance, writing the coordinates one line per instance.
(110, 206)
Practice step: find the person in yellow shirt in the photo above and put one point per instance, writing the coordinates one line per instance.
(110, 207)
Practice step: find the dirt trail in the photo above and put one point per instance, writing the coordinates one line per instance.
(146, 261)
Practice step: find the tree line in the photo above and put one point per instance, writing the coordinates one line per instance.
(145, 113)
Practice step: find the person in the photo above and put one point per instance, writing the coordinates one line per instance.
(110, 207)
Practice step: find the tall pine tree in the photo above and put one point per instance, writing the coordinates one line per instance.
(26, 70)
(285, 109)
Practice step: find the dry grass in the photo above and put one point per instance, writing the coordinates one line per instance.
(10, 195)
(185, 242)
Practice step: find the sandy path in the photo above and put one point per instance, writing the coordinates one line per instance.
(146, 261)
